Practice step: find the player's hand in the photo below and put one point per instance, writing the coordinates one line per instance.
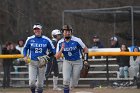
(85, 63)
(26, 59)
(59, 54)
(62, 47)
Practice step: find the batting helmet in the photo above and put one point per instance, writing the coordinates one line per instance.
(67, 27)
(55, 32)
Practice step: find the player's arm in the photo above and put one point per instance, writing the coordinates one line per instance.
(25, 50)
(51, 48)
(59, 50)
(85, 50)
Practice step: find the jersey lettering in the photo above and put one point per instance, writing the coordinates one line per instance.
(38, 45)
(70, 48)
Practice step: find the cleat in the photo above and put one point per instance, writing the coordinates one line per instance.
(59, 89)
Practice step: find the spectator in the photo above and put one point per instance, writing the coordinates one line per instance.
(20, 47)
(123, 62)
(20, 61)
(96, 44)
(114, 42)
(13, 49)
(134, 63)
(7, 64)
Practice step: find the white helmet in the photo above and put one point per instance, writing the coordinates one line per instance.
(56, 32)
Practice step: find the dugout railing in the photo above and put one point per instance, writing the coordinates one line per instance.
(106, 59)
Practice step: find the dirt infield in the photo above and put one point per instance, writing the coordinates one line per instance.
(77, 90)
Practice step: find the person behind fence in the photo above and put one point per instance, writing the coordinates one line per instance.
(20, 61)
(20, 46)
(35, 49)
(7, 64)
(70, 46)
(53, 65)
(134, 63)
(123, 62)
(13, 50)
(114, 43)
(96, 44)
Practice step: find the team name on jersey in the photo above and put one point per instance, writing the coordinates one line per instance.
(70, 48)
(38, 45)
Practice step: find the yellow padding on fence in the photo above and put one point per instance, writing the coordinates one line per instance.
(11, 56)
(90, 54)
(114, 53)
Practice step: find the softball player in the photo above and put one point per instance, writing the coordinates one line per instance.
(53, 65)
(37, 45)
(70, 46)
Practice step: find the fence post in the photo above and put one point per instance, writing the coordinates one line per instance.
(107, 70)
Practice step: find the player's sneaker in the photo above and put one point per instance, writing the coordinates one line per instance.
(57, 88)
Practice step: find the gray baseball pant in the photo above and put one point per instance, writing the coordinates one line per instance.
(71, 72)
(36, 75)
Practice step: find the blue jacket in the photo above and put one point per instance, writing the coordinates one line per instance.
(37, 46)
(72, 48)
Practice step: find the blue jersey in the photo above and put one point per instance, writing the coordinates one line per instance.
(72, 49)
(37, 46)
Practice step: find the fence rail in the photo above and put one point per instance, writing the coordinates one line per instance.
(90, 54)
